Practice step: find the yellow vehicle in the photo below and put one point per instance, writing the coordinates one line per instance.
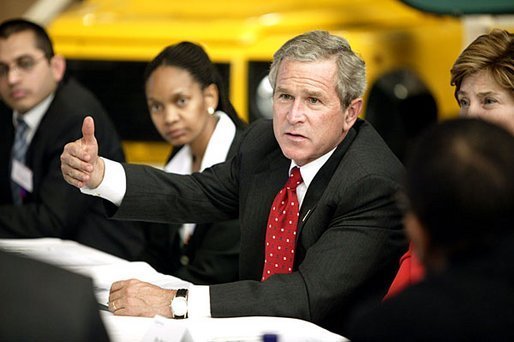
(408, 55)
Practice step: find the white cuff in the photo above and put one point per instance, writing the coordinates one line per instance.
(114, 184)
(199, 301)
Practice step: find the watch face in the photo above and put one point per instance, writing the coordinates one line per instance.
(179, 306)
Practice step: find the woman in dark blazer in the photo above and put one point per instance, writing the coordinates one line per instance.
(190, 109)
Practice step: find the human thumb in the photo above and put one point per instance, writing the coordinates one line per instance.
(88, 131)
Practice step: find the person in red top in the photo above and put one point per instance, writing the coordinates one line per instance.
(410, 272)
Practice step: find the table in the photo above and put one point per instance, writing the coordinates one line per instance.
(104, 269)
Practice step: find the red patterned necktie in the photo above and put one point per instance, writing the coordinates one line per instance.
(281, 228)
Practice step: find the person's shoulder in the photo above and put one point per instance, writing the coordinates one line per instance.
(70, 85)
(26, 282)
(370, 154)
(259, 131)
(56, 281)
(71, 90)
(18, 264)
(77, 99)
(450, 306)
(259, 139)
(406, 316)
(367, 133)
(74, 102)
(260, 124)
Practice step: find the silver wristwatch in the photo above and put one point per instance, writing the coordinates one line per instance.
(179, 304)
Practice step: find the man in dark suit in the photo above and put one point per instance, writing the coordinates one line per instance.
(41, 302)
(460, 217)
(34, 200)
(348, 233)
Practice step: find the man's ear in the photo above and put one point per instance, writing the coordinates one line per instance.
(210, 95)
(58, 66)
(417, 235)
(352, 112)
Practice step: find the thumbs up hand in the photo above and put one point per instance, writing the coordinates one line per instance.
(80, 164)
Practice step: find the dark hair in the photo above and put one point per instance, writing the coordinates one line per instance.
(460, 184)
(192, 58)
(43, 41)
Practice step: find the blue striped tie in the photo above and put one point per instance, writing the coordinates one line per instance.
(18, 152)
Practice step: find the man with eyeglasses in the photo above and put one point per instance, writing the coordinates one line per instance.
(41, 109)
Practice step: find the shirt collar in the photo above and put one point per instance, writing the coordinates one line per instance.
(34, 116)
(309, 170)
(216, 151)
(220, 141)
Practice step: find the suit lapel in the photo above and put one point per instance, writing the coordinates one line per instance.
(271, 176)
(7, 137)
(322, 179)
(274, 172)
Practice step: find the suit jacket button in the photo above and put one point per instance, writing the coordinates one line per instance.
(184, 260)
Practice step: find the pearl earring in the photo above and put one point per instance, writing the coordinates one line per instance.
(210, 110)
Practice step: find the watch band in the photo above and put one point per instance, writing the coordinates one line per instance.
(179, 304)
(181, 293)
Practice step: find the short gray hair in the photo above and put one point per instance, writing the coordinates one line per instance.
(321, 45)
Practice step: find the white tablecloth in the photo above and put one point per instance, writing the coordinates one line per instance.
(104, 269)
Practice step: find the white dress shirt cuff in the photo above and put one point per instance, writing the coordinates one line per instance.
(199, 301)
(114, 184)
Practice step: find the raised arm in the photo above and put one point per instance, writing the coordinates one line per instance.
(80, 164)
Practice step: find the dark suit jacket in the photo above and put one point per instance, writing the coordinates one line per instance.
(210, 257)
(471, 301)
(350, 233)
(41, 302)
(55, 208)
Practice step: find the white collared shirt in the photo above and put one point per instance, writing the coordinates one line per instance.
(308, 172)
(216, 151)
(33, 117)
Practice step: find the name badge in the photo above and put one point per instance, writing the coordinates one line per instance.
(22, 175)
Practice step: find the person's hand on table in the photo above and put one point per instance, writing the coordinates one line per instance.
(137, 298)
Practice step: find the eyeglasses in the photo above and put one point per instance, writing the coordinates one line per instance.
(22, 65)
